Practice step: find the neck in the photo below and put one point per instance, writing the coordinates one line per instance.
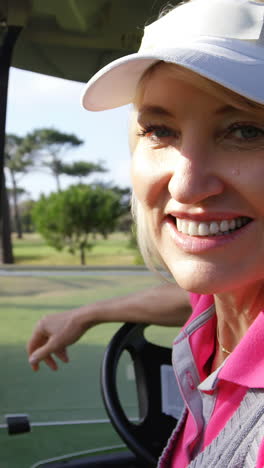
(235, 311)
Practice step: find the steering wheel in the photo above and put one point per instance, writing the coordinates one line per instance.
(148, 436)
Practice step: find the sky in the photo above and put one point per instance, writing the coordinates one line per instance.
(38, 101)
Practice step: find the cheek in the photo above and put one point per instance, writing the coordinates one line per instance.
(149, 177)
(248, 178)
(139, 176)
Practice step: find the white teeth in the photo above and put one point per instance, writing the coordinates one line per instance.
(224, 226)
(232, 224)
(184, 227)
(213, 228)
(179, 224)
(203, 229)
(193, 229)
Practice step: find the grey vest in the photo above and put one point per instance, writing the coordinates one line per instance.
(236, 446)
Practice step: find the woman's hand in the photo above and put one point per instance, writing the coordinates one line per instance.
(53, 333)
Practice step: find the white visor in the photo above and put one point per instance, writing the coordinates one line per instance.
(221, 40)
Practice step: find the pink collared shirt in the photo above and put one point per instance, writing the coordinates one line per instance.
(243, 369)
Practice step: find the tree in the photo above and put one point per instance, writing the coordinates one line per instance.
(25, 209)
(125, 197)
(18, 160)
(6, 251)
(124, 222)
(50, 145)
(15, 212)
(68, 219)
(81, 169)
(108, 212)
(124, 193)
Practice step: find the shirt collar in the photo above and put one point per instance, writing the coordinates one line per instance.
(245, 365)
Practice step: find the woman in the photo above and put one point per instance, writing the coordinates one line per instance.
(197, 138)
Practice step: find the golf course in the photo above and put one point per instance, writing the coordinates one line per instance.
(64, 407)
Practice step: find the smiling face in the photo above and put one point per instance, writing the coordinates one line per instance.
(198, 174)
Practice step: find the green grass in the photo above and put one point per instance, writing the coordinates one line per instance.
(44, 443)
(71, 393)
(33, 250)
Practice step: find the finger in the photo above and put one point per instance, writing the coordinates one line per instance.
(34, 361)
(42, 352)
(35, 367)
(37, 340)
(51, 363)
(49, 360)
(62, 355)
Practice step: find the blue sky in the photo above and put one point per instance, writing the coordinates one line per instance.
(37, 101)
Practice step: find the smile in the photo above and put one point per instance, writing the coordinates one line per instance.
(212, 228)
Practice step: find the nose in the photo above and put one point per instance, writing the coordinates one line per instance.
(195, 176)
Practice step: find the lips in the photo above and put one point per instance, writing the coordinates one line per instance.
(205, 232)
(210, 228)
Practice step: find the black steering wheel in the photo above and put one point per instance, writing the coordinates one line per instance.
(148, 436)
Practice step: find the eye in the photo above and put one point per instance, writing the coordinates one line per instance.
(246, 132)
(157, 132)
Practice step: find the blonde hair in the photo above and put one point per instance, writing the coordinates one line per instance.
(146, 243)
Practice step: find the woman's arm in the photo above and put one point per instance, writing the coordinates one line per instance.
(166, 305)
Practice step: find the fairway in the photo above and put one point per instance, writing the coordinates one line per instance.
(115, 250)
(44, 443)
(72, 393)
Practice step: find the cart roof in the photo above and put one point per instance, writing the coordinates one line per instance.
(72, 39)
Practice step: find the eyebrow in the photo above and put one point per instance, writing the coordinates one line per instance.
(227, 109)
(154, 110)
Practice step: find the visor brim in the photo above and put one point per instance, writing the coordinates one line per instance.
(232, 64)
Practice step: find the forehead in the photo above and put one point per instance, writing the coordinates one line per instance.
(163, 74)
(164, 86)
(164, 94)
(169, 85)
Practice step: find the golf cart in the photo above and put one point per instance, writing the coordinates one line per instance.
(72, 40)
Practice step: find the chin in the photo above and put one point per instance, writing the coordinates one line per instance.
(199, 278)
(208, 278)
